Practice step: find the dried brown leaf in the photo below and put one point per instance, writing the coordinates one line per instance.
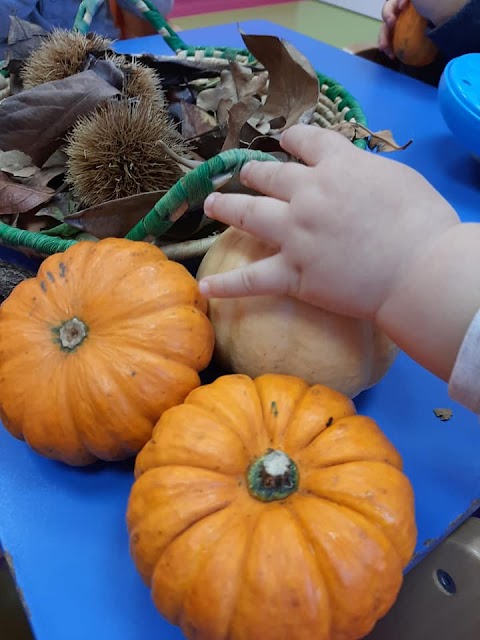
(379, 141)
(236, 82)
(44, 176)
(23, 38)
(53, 167)
(293, 87)
(384, 141)
(35, 121)
(106, 69)
(247, 82)
(18, 198)
(59, 207)
(195, 121)
(224, 107)
(351, 130)
(237, 117)
(17, 164)
(209, 143)
(443, 414)
(114, 218)
(209, 99)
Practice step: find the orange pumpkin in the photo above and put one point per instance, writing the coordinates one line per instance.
(411, 45)
(268, 509)
(94, 348)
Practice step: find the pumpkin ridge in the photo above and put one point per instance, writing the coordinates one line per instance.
(227, 422)
(347, 429)
(178, 621)
(238, 577)
(181, 533)
(274, 588)
(358, 511)
(248, 546)
(290, 507)
(227, 425)
(82, 399)
(279, 436)
(131, 343)
(269, 405)
(320, 554)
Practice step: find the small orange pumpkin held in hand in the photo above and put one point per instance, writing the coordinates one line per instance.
(97, 346)
(269, 509)
(411, 45)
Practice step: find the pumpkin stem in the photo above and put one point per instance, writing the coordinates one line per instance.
(273, 476)
(71, 334)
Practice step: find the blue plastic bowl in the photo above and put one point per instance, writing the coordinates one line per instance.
(459, 98)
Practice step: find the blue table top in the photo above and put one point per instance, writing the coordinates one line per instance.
(64, 529)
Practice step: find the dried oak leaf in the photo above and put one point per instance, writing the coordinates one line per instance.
(384, 141)
(377, 141)
(18, 198)
(293, 87)
(236, 82)
(35, 121)
(237, 117)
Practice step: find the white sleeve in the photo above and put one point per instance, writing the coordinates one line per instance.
(464, 384)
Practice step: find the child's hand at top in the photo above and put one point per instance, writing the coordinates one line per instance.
(361, 235)
(346, 225)
(435, 11)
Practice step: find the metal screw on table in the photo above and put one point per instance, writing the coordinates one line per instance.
(446, 582)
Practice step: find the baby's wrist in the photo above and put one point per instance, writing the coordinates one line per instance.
(428, 311)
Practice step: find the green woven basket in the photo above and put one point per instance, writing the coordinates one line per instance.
(335, 105)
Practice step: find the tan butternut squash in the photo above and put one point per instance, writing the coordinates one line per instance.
(278, 334)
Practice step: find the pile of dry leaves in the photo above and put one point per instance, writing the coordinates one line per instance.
(209, 106)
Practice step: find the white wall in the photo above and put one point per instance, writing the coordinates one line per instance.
(370, 8)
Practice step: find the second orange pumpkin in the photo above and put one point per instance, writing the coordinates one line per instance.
(268, 509)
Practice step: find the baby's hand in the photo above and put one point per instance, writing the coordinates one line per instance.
(435, 11)
(345, 226)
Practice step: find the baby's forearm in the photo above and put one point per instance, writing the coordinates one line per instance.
(430, 309)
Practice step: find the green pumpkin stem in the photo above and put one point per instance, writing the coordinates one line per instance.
(273, 476)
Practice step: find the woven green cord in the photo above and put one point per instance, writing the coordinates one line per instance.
(42, 244)
(85, 14)
(193, 188)
(152, 15)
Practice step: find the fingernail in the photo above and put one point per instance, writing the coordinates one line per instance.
(204, 288)
(246, 171)
(209, 201)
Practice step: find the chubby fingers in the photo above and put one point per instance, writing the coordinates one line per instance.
(313, 144)
(267, 276)
(384, 40)
(389, 12)
(276, 179)
(261, 216)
